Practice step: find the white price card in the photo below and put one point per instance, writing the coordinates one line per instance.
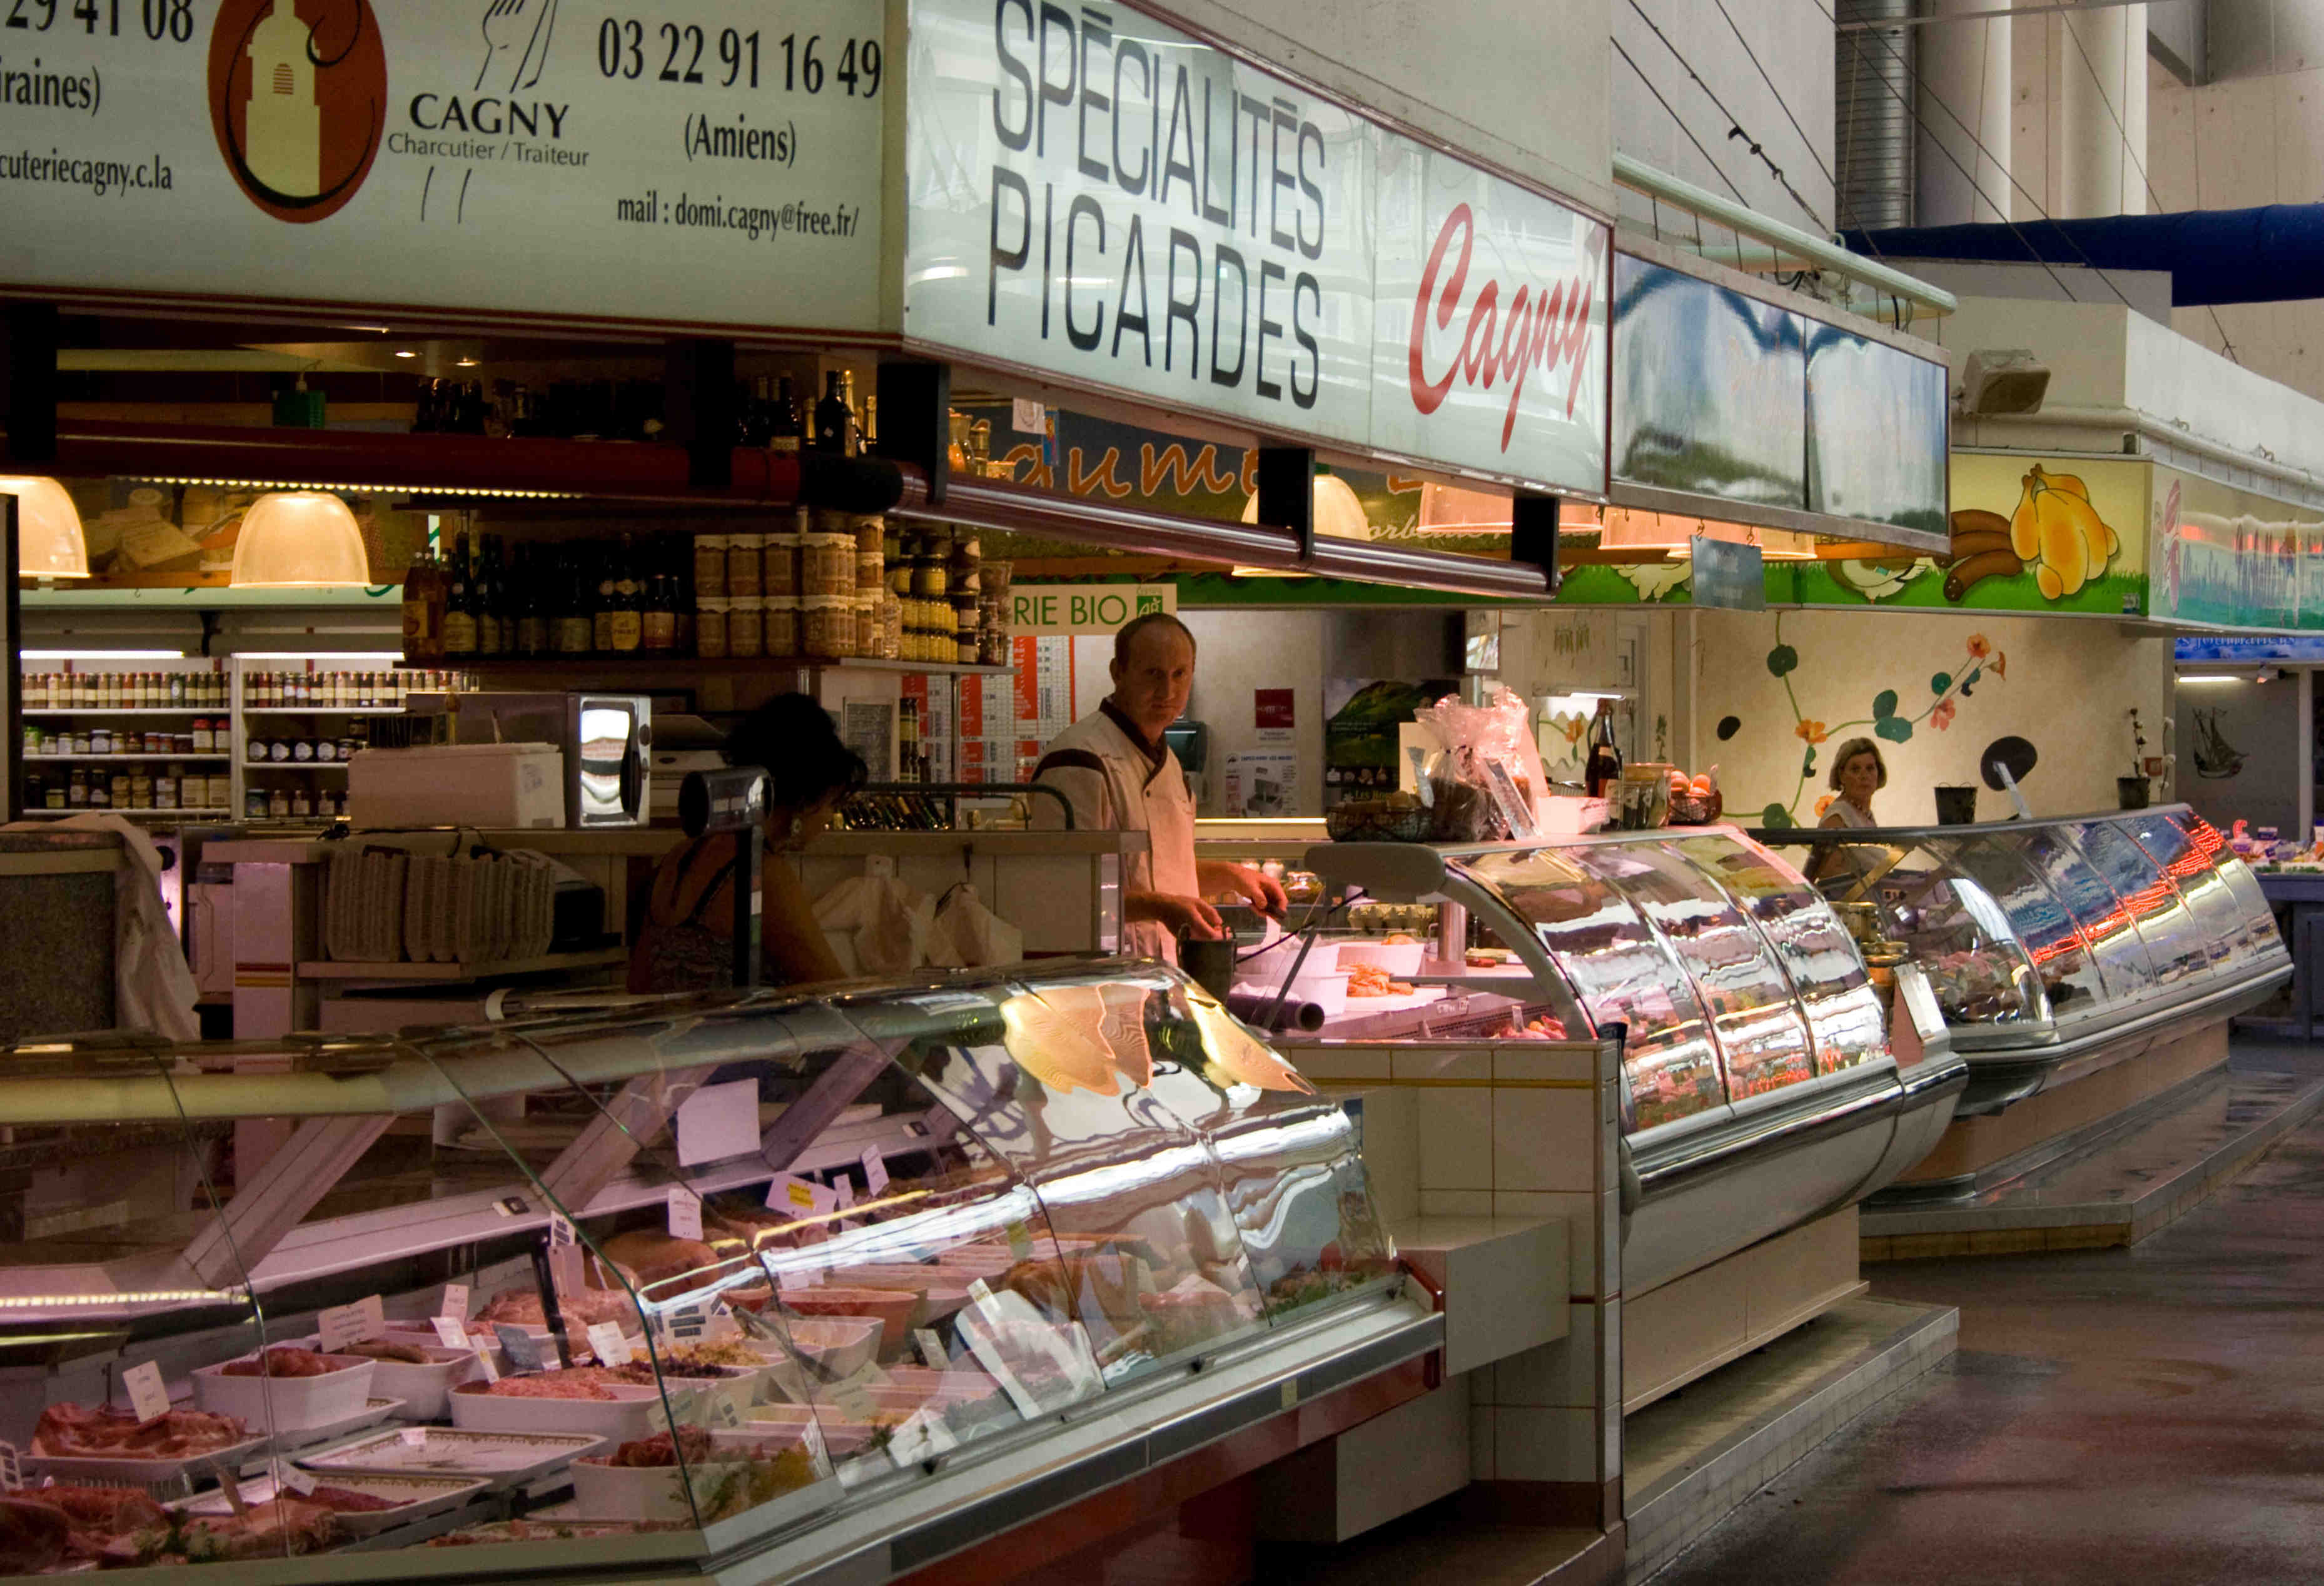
(875, 1171)
(450, 1330)
(341, 1325)
(606, 1343)
(932, 1348)
(1028, 417)
(851, 1394)
(148, 1399)
(718, 1122)
(982, 1292)
(484, 1362)
(565, 1268)
(811, 1436)
(290, 1478)
(561, 1230)
(685, 1212)
(456, 1301)
(12, 1467)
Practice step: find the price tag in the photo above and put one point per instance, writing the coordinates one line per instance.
(843, 1195)
(798, 1196)
(456, 1301)
(148, 1399)
(852, 1394)
(340, 1326)
(448, 1329)
(522, 1349)
(606, 1343)
(12, 1467)
(414, 1436)
(718, 1122)
(799, 1277)
(932, 1348)
(484, 1360)
(982, 1292)
(875, 1171)
(565, 1272)
(685, 1212)
(291, 1478)
(561, 1230)
(811, 1436)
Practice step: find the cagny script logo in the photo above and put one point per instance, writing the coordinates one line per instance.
(298, 98)
(1540, 326)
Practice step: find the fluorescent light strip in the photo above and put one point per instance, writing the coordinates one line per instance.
(364, 489)
(2218, 678)
(77, 655)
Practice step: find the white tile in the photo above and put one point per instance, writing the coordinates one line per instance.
(1610, 1319)
(1425, 1063)
(1582, 1273)
(1481, 1386)
(1456, 1202)
(1545, 1444)
(1563, 1374)
(1456, 1140)
(1544, 1140)
(1517, 1063)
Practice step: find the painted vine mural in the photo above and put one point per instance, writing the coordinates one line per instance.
(1888, 721)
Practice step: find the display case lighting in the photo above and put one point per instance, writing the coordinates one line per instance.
(2218, 678)
(497, 494)
(81, 655)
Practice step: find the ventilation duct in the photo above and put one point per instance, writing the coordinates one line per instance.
(1872, 97)
(2271, 254)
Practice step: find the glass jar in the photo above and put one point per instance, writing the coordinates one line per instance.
(141, 790)
(710, 627)
(100, 740)
(746, 626)
(253, 804)
(259, 751)
(279, 750)
(77, 789)
(745, 567)
(781, 613)
(165, 787)
(871, 572)
(220, 794)
(278, 804)
(867, 623)
(709, 565)
(782, 563)
(827, 566)
(870, 531)
(827, 625)
(302, 803)
(83, 743)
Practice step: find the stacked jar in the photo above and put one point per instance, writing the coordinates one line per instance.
(870, 580)
(965, 577)
(827, 587)
(710, 598)
(992, 615)
(782, 603)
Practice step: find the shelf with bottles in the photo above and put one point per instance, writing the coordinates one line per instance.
(38, 760)
(141, 814)
(161, 684)
(321, 684)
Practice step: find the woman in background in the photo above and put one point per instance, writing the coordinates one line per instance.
(686, 943)
(1858, 772)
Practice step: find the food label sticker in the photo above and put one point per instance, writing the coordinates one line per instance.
(982, 1292)
(484, 1360)
(725, 1411)
(448, 1329)
(340, 1326)
(799, 1277)
(292, 1478)
(605, 1340)
(875, 1171)
(414, 1436)
(147, 1397)
(12, 1467)
(456, 1301)
(523, 1349)
(685, 1212)
(561, 1230)
(932, 1348)
(1020, 1241)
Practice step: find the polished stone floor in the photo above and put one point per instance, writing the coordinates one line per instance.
(2153, 1413)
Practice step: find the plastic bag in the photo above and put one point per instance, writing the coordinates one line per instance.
(876, 925)
(1487, 770)
(966, 935)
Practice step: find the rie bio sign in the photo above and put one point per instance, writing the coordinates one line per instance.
(696, 162)
(1099, 196)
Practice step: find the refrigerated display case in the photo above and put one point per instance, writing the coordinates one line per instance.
(899, 1252)
(1759, 1089)
(2060, 947)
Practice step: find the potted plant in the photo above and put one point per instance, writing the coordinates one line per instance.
(2131, 792)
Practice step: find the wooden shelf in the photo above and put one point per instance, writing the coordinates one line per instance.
(134, 710)
(294, 765)
(136, 815)
(323, 969)
(322, 710)
(32, 762)
(632, 664)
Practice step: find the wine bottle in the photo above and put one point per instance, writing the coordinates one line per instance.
(1604, 767)
(601, 615)
(833, 424)
(531, 606)
(575, 628)
(783, 428)
(627, 626)
(460, 614)
(486, 595)
(423, 610)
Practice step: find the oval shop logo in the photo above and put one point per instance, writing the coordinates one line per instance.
(298, 98)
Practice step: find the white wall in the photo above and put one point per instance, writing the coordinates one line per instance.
(1523, 86)
(1792, 39)
(2069, 689)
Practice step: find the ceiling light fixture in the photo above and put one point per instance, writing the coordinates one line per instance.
(1339, 514)
(405, 353)
(49, 539)
(346, 489)
(300, 539)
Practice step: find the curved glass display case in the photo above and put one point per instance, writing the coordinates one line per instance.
(749, 1282)
(1755, 1040)
(2057, 946)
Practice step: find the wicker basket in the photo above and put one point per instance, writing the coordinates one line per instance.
(1696, 809)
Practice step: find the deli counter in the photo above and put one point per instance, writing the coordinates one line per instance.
(2058, 947)
(1760, 1091)
(910, 1266)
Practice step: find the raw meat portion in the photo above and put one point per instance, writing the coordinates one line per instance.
(110, 1525)
(693, 1442)
(71, 1431)
(282, 1360)
(345, 1500)
(379, 1348)
(32, 1537)
(285, 1526)
(653, 1257)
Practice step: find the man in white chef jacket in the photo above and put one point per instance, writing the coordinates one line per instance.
(1119, 775)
